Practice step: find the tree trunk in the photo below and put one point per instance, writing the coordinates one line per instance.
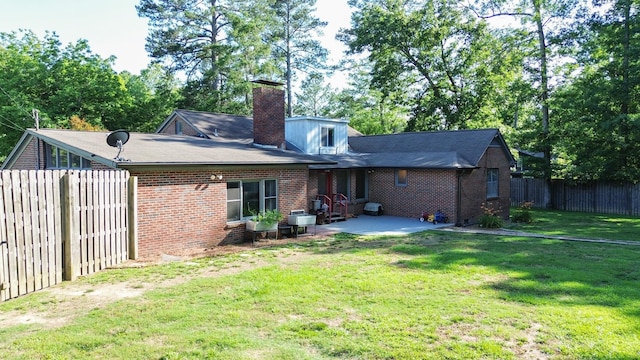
(624, 108)
(288, 74)
(544, 100)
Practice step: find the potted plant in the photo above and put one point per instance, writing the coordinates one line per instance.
(264, 221)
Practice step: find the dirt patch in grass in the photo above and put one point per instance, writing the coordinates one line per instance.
(66, 301)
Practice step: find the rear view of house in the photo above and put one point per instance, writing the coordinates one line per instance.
(202, 174)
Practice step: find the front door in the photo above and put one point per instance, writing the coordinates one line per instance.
(325, 183)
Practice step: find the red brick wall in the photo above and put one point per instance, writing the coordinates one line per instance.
(268, 116)
(426, 190)
(431, 190)
(28, 160)
(185, 211)
(474, 193)
(99, 166)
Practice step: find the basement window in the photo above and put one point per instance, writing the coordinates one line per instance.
(245, 197)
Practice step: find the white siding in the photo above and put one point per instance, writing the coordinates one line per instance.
(306, 134)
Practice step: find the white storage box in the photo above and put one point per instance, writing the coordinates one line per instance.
(373, 208)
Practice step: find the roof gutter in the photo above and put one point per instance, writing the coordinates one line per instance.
(138, 166)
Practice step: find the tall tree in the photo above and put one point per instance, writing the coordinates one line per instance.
(70, 87)
(153, 95)
(57, 81)
(368, 109)
(598, 111)
(294, 39)
(539, 16)
(314, 97)
(435, 51)
(85, 85)
(208, 41)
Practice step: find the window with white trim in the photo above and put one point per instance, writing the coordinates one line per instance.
(401, 177)
(245, 197)
(328, 137)
(492, 183)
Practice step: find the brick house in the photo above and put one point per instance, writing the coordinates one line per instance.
(456, 172)
(192, 190)
(199, 174)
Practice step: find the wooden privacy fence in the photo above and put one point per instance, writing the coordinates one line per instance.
(57, 225)
(595, 197)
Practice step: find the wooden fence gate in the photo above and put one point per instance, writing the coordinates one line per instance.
(57, 225)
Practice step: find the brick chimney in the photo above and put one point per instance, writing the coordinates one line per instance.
(268, 113)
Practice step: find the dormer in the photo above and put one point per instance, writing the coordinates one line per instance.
(316, 135)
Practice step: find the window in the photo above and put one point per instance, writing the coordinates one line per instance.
(492, 183)
(401, 177)
(62, 159)
(342, 182)
(361, 184)
(245, 197)
(327, 137)
(322, 183)
(178, 128)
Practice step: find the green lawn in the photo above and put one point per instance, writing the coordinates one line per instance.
(586, 225)
(432, 295)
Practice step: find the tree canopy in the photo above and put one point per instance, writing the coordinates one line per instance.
(68, 86)
(559, 77)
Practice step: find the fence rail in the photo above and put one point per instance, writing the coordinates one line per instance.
(56, 225)
(595, 197)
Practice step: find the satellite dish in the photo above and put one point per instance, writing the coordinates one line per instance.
(118, 135)
(117, 139)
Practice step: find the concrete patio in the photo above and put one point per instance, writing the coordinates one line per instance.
(377, 225)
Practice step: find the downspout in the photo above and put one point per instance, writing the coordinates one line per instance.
(459, 174)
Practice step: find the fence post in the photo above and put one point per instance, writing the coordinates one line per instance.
(132, 214)
(71, 227)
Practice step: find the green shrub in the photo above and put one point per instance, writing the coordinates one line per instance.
(268, 217)
(522, 217)
(523, 213)
(491, 218)
(491, 221)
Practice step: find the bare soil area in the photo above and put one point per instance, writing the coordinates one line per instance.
(69, 300)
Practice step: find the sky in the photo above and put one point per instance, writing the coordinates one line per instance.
(112, 27)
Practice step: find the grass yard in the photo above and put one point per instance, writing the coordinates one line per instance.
(584, 225)
(432, 295)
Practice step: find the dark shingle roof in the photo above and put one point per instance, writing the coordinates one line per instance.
(219, 126)
(144, 149)
(439, 149)
(226, 126)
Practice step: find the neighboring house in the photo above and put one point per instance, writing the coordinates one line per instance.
(529, 164)
(201, 172)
